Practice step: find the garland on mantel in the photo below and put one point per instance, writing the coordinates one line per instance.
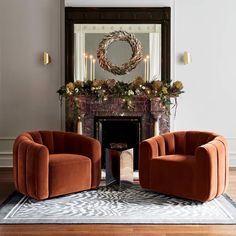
(102, 89)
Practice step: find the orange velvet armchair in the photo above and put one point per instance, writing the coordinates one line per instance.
(188, 164)
(52, 163)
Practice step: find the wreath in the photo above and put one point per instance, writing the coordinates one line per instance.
(126, 67)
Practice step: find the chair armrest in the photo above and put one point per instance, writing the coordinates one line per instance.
(89, 147)
(206, 170)
(31, 168)
(148, 149)
(212, 167)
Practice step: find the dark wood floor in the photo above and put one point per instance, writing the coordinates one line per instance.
(6, 187)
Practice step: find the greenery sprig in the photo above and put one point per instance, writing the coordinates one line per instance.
(102, 89)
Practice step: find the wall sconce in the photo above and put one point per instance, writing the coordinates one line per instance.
(46, 58)
(187, 58)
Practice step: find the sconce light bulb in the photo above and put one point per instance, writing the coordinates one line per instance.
(147, 57)
(46, 58)
(91, 56)
(94, 60)
(187, 58)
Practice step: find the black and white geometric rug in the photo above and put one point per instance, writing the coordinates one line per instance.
(113, 205)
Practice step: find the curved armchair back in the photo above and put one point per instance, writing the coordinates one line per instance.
(57, 141)
(207, 152)
(31, 158)
(182, 142)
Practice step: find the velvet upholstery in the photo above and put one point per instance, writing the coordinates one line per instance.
(188, 164)
(52, 163)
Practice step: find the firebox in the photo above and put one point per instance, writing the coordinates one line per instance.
(115, 131)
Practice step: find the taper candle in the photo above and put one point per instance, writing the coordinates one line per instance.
(91, 67)
(148, 68)
(94, 61)
(86, 67)
(145, 70)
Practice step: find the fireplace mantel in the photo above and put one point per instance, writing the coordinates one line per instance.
(153, 119)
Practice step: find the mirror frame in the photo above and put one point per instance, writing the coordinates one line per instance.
(88, 15)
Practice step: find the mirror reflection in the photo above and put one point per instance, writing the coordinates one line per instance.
(88, 36)
(118, 56)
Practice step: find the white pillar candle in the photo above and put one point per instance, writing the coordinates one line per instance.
(91, 67)
(156, 128)
(145, 70)
(79, 126)
(94, 62)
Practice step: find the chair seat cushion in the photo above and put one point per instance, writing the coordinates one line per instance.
(68, 173)
(175, 158)
(173, 174)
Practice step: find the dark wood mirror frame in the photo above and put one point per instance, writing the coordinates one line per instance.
(77, 15)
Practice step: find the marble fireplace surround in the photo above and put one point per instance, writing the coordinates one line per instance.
(153, 120)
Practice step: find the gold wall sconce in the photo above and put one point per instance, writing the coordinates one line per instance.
(46, 58)
(187, 58)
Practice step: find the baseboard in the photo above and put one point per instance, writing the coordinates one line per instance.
(232, 158)
(6, 144)
(6, 159)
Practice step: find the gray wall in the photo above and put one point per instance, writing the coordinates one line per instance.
(28, 99)
(118, 53)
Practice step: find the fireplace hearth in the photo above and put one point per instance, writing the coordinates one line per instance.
(118, 132)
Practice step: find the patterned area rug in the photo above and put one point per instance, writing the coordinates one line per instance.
(128, 204)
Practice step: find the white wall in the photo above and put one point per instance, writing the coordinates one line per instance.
(207, 30)
(28, 99)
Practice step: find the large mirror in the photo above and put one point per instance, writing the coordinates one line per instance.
(86, 28)
(92, 40)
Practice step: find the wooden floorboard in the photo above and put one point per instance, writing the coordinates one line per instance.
(7, 187)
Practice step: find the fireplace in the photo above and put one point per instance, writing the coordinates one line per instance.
(121, 131)
(143, 121)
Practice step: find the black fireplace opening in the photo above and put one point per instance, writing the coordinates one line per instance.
(118, 131)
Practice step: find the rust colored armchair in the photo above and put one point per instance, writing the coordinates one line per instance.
(188, 164)
(52, 163)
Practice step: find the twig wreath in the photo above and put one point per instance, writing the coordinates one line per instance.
(125, 67)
